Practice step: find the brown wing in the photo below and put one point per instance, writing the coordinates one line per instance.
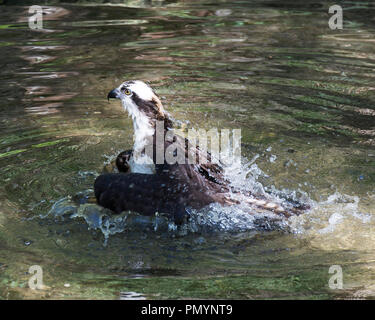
(199, 162)
(205, 164)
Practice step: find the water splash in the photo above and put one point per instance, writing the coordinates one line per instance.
(102, 219)
(241, 217)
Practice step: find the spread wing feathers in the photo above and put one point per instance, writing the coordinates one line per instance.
(137, 192)
(201, 160)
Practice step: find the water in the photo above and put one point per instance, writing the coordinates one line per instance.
(301, 93)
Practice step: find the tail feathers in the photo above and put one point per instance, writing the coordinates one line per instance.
(277, 208)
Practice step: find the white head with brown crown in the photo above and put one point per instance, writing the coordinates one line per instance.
(139, 100)
(145, 108)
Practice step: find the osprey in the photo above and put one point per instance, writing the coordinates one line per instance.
(147, 186)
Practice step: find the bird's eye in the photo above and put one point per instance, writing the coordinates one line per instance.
(127, 91)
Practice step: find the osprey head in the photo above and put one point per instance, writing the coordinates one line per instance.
(138, 98)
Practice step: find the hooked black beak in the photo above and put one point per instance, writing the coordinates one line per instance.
(113, 94)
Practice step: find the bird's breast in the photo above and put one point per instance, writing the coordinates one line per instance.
(141, 164)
